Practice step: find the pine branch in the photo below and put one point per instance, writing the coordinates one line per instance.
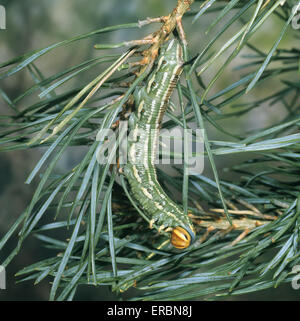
(110, 241)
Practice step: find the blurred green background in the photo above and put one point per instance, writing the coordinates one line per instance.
(34, 24)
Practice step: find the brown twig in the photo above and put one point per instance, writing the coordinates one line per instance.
(238, 224)
(170, 22)
(245, 212)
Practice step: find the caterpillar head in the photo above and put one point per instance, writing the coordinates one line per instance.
(181, 238)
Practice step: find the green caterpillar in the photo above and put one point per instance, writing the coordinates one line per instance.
(151, 101)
